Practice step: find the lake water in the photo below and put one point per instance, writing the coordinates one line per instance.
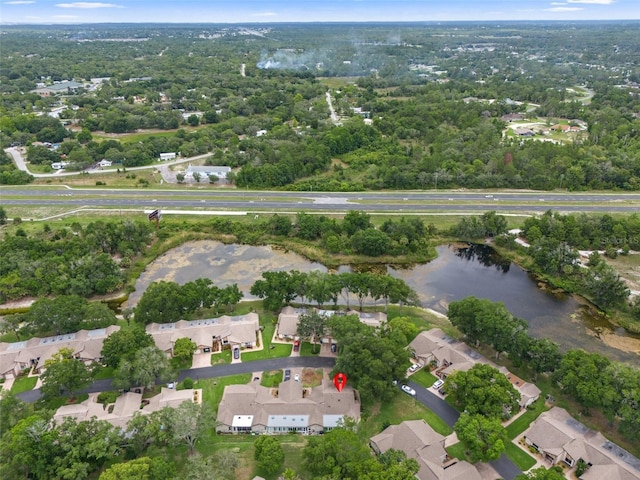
(458, 272)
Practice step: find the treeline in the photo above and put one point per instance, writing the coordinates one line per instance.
(586, 232)
(57, 316)
(354, 234)
(76, 260)
(166, 302)
(589, 378)
(278, 289)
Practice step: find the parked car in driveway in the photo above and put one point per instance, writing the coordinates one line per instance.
(414, 367)
(408, 390)
(438, 384)
(236, 353)
(287, 375)
(296, 378)
(296, 345)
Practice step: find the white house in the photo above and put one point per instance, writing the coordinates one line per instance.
(167, 156)
(104, 163)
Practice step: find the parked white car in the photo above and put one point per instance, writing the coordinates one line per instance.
(437, 384)
(414, 367)
(408, 390)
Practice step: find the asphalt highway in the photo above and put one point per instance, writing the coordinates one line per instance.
(256, 201)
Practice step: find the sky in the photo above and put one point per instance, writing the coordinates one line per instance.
(269, 11)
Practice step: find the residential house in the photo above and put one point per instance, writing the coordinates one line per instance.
(448, 355)
(420, 442)
(210, 335)
(512, 117)
(252, 408)
(561, 439)
(524, 132)
(33, 353)
(167, 156)
(104, 163)
(126, 405)
(287, 327)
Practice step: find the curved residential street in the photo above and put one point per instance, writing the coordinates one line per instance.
(505, 467)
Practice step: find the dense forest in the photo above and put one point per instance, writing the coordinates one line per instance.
(417, 106)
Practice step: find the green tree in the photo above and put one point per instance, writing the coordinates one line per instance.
(483, 390)
(312, 326)
(147, 365)
(162, 302)
(369, 359)
(371, 242)
(3, 216)
(190, 422)
(123, 344)
(12, 410)
(184, 349)
(143, 468)
(269, 454)
(483, 438)
(355, 221)
(64, 374)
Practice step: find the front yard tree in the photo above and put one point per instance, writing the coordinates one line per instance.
(483, 390)
(189, 422)
(484, 438)
(312, 326)
(269, 454)
(228, 297)
(184, 349)
(64, 374)
(123, 344)
(369, 359)
(146, 366)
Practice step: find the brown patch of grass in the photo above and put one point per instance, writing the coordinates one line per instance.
(311, 377)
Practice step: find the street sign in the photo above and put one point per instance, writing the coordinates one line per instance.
(155, 215)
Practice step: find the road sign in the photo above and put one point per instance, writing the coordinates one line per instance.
(155, 215)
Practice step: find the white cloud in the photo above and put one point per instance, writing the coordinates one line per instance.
(563, 9)
(593, 2)
(87, 5)
(19, 2)
(558, 3)
(264, 14)
(65, 17)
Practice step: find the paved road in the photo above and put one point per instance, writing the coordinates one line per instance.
(214, 371)
(505, 467)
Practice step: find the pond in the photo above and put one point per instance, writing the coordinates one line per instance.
(459, 271)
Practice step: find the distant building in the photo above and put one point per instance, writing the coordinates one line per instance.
(167, 156)
(206, 170)
(512, 117)
(61, 88)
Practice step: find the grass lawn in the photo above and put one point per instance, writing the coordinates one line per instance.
(222, 357)
(271, 379)
(522, 459)
(424, 378)
(521, 423)
(278, 350)
(212, 388)
(457, 450)
(308, 350)
(102, 373)
(23, 384)
(57, 402)
(400, 408)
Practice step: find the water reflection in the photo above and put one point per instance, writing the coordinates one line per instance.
(484, 255)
